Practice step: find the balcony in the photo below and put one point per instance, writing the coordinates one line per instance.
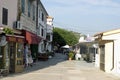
(49, 29)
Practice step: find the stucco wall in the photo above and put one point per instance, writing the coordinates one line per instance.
(12, 11)
(42, 24)
(117, 56)
(108, 56)
(97, 59)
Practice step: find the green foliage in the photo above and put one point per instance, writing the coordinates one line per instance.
(8, 31)
(63, 37)
(71, 54)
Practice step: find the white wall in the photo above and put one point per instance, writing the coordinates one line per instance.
(108, 56)
(11, 5)
(116, 57)
(97, 60)
(111, 37)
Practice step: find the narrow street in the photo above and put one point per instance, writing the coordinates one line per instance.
(58, 68)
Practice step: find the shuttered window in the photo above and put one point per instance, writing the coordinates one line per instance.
(5, 16)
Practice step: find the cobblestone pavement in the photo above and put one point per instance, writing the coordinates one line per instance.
(58, 68)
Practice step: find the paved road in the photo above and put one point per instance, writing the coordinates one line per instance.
(58, 68)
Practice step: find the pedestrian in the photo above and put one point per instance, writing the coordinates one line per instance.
(30, 60)
(26, 55)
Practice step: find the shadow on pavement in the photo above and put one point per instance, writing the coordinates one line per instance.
(42, 64)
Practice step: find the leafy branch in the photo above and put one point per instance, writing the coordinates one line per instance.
(8, 31)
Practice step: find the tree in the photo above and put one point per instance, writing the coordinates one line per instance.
(62, 37)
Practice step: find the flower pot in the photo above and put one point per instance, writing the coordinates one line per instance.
(70, 58)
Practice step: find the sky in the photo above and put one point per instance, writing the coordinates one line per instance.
(84, 16)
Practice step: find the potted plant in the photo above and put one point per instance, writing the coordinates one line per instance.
(71, 55)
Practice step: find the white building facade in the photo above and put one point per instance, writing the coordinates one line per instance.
(49, 36)
(42, 27)
(108, 51)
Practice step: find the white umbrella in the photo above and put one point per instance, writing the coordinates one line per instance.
(66, 46)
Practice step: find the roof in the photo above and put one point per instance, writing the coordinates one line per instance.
(109, 32)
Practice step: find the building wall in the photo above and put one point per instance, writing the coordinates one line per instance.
(28, 23)
(108, 56)
(42, 24)
(112, 50)
(116, 57)
(97, 59)
(12, 11)
(116, 67)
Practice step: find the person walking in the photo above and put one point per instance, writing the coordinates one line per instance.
(30, 60)
(26, 55)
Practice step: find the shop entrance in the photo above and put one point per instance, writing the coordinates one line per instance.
(102, 57)
(12, 50)
(16, 57)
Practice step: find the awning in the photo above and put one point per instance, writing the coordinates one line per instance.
(32, 38)
(15, 38)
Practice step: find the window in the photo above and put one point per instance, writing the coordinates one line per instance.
(34, 12)
(29, 8)
(48, 37)
(42, 17)
(42, 47)
(19, 54)
(42, 32)
(5, 16)
(23, 5)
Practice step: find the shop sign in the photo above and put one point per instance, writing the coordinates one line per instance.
(15, 39)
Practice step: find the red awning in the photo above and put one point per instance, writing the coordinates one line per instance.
(32, 38)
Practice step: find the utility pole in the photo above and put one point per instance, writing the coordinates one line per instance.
(37, 2)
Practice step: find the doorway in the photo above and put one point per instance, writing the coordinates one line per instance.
(12, 50)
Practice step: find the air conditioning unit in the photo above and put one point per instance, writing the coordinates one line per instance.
(17, 25)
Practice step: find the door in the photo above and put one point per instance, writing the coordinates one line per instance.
(102, 57)
(19, 57)
(12, 50)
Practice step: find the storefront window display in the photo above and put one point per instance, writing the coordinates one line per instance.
(19, 54)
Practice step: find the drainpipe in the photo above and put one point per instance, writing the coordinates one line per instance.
(37, 2)
(113, 58)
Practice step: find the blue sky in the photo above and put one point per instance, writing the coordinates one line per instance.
(84, 16)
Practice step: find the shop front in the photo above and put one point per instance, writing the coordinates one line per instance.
(4, 56)
(33, 40)
(15, 50)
